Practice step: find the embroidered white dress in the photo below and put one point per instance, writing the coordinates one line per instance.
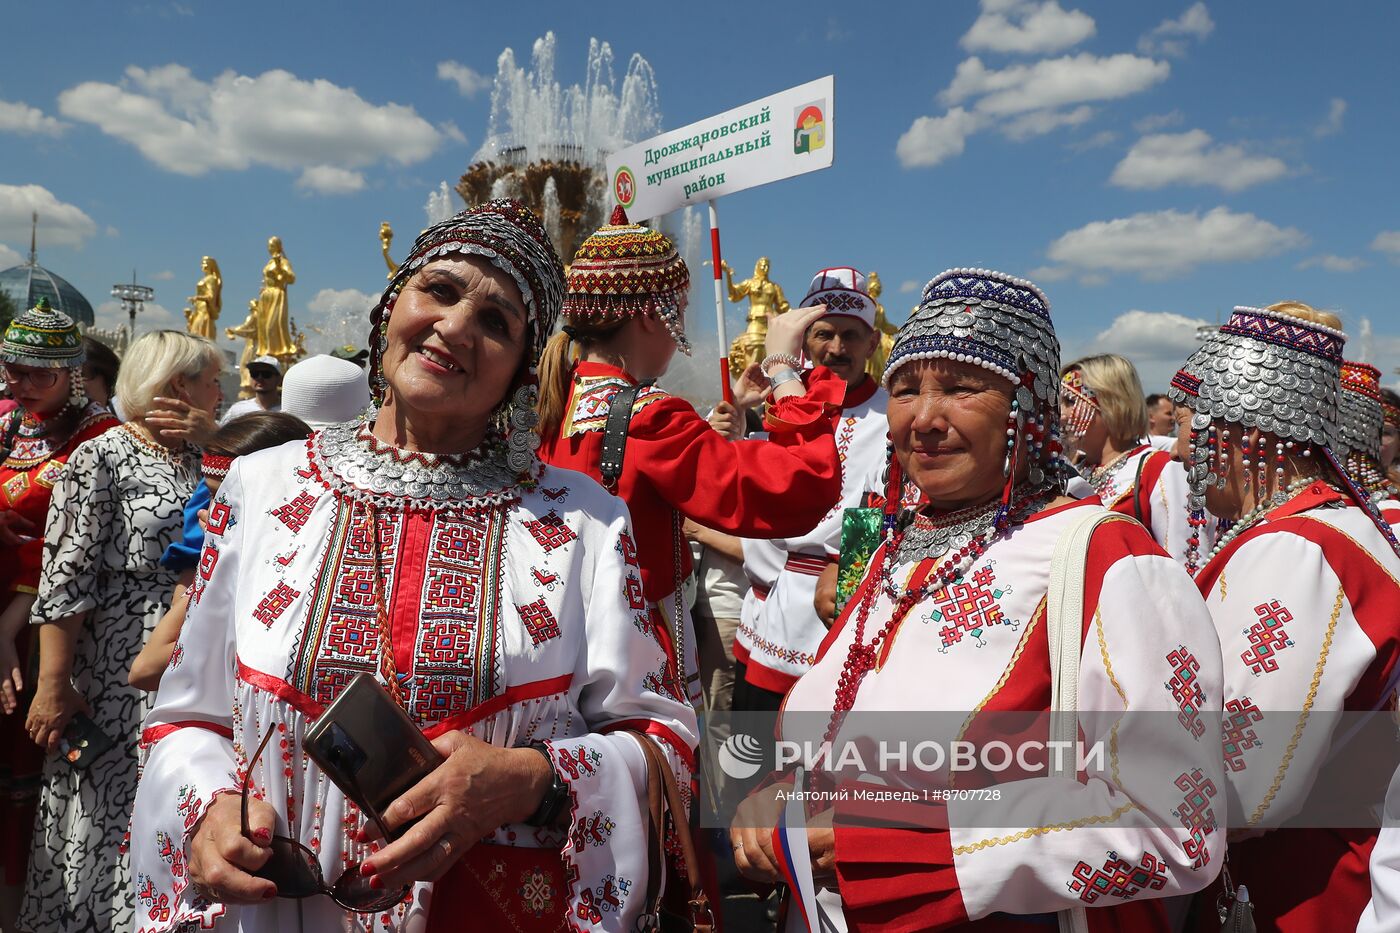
(1143, 820)
(782, 643)
(511, 621)
(1151, 487)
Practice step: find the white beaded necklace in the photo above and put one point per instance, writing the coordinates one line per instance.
(1258, 512)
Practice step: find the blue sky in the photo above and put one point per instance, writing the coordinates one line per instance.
(1149, 165)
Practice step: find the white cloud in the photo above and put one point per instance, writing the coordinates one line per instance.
(1165, 243)
(910, 286)
(165, 276)
(451, 131)
(1333, 263)
(60, 224)
(328, 179)
(1159, 121)
(153, 316)
(1190, 159)
(1097, 141)
(28, 121)
(9, 257)
(1052, 82)
(1171, 36)
(1150, 335)
(1040, 122)
(1336, 111)
(190, 126)
(469, 81)
(931, 140)
(1388, 242)
(1049, 274)
(1027, 27)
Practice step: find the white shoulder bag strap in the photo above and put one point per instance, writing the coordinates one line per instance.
(1064, 629)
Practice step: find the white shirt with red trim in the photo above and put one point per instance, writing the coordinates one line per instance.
(1305, 604)
(1150, 486)
(1143, 819)
(514, 623)
(784, 639)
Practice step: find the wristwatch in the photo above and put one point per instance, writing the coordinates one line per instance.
(555, 799)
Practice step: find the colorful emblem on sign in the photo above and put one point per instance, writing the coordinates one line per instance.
(809, 133)
(625, 186)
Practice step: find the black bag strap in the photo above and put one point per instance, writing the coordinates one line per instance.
(615, 433)
(1137, 488)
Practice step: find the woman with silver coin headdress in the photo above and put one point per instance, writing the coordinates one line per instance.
(1361, 420)
(1302, 588)
(966, 602)
(426, 546)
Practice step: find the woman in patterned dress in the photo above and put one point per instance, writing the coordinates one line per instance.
(43, 357)
(116, 508)
(423, 544)
(952, 616)
(1303, 589)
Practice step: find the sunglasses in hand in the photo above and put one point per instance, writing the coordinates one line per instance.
(296, 870)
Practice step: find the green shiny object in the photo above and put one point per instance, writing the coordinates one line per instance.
(860, 536)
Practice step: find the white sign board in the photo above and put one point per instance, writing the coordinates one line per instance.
(785, 134)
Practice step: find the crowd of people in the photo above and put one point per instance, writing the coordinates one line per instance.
(499, 529)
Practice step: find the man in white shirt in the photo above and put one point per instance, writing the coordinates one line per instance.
(266, 374)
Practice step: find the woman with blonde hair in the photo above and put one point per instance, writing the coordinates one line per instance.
(1302, 588)
(115, 509)
(1105, 419)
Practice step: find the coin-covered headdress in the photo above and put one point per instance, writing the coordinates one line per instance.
(1361, 419)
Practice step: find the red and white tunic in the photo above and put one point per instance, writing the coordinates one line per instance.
(1140, 823)
(678, 466)
(516, 615)
(783, 645)
(1305, 604)
(763, 561)
(1150, 486)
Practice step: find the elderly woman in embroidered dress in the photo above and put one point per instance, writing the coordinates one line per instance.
(1303, 590)
(1104, 416)
(115, 509)
(426, 545)
(952, 615)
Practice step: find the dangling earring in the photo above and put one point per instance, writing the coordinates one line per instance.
(77, 388)
(1224, 459)
(521, 416)
(1245, 462)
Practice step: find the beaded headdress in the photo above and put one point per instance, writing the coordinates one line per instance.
(43, 338)
(508, 235)
(1083, 404)
(625, 270)
(1361, 420)
(844, 292)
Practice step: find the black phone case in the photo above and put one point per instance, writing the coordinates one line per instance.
(83, 742)
(368, 747)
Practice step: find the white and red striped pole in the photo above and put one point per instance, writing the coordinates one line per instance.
(716, 260)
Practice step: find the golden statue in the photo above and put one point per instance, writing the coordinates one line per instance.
(875, 366)
(765, 300)
(252, 348)
(207, 300)
(274, 319)
(386, 237)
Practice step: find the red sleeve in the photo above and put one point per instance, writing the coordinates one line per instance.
(30, 556)
(894, 864)
(777, 488)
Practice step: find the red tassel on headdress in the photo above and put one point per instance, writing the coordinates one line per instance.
(619, 217)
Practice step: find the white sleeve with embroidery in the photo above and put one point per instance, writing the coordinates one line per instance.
(1171, 517)
(187, 745)
(1145, 821)
(621, 675)
(1292, 648)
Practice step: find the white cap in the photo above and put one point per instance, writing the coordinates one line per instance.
(323, 390)
(266, 360)
(844, 292)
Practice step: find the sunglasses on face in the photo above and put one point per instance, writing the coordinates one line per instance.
(296, 870)
(38, 378)
(260, 374)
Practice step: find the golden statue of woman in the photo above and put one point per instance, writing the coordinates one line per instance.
(386, 238)
(274, 318)
(765, 299)
(207, 300)
(875, 366)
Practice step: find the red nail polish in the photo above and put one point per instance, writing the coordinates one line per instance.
(366, 868)
(262, 837)
(270, 895)
(377, 883)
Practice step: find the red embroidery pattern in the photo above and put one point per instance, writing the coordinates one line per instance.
(557, 494)
(274, 604)
(969, 607)
(187, 804)
(550, 531)
(592, 830)
(1267, 637)
(295, 513)
(1237, 735)
(1196, 814)
(1118, 878)
(632, 589)
(628, 549)
(545, 578)
(773, 649)
(580, 761)
(219, 515)
(539, 621)
(1186, 690)
(158, 905)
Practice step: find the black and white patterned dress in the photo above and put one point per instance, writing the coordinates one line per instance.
(119, 504)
